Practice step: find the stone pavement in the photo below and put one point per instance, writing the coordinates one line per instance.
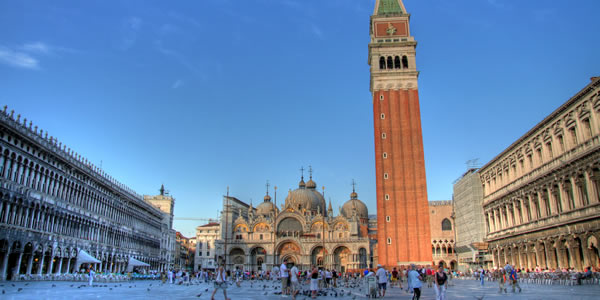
(461, 289)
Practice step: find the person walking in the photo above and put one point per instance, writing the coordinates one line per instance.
(220, 283)
(91, 276)
(514, 280)
(295, 283)
(394, 277)
(501, 281)
(314, 282)
(285, 276)
(415, 282)
(382, 280)
(482, 276)
(440, 279)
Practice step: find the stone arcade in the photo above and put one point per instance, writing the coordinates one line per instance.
(55, 203)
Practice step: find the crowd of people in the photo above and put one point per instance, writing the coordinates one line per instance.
(411, 279)
(374, 282)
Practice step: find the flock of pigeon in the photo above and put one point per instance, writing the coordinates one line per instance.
(247, 288)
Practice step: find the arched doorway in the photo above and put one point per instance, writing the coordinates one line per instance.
(13, 260)
(317, 257)
(237, 258)
(592, 245)
(258, 257)
(341, 259)
(289, 251)
(453, 265)
(362, 258)
(442, 263)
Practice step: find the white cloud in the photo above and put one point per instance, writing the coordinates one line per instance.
(18, 59)
(37, 47)
(177, 84)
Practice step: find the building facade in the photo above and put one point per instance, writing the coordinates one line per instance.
(304, 231)
(166, 204)
(399, 157)
(443, 236)
(470, 222)
(56, 204)
(541, 194)
(206, 240)
(184, 252)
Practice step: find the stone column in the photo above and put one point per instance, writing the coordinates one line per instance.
(29, 264)
(574, 250)
(6, 213)
(4, 265)
(524, 258)
(550, 255)
(50, 264)
(68, 270)
(578, 200)
(18, 266)
(41, 265)
(591, 187)
(560, 254)
(59, 269)
(516, 214)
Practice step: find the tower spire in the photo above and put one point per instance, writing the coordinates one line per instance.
(389, 7)
(162, 190)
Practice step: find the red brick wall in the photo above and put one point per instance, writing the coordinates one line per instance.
(406, 185)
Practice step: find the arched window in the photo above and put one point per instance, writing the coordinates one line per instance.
(397, 62)
(446, 225)
(382, 63)
(390, 63)
(404, 62)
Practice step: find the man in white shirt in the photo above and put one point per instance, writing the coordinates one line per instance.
(381, 280)
(414, 281)
(294, 280)
(285, 275)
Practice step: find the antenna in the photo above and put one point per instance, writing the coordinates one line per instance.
(473, 163)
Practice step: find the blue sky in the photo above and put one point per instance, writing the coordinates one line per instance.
(201, 95)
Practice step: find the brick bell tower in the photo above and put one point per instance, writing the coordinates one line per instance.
(403, 234)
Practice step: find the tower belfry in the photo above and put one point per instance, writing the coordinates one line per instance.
(403, 231)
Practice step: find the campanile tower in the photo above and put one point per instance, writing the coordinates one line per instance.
(402, 209)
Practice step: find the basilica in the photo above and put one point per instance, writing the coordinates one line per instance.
(305, 231)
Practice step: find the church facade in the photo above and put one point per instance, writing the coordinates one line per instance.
(303, 230)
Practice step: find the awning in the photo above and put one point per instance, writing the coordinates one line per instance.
(85, 258)
(135, 263)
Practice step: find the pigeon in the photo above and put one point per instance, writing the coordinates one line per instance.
(13, 284)
(199, 295)
(3, 291)
(27, 283)
(206, 290)
(72, 285)
(110, 289)
(54, 285)
(20, 289)
(148, 289)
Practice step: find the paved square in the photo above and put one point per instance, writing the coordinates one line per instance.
(460, 289)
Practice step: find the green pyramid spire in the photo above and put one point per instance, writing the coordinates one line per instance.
(389, 7)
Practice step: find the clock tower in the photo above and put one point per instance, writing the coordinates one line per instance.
(403, 234)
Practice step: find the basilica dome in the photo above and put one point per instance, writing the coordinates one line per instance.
(306, 197)
(361, 209)
(265, 208)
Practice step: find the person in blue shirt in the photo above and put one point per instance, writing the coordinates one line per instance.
(514, 280)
